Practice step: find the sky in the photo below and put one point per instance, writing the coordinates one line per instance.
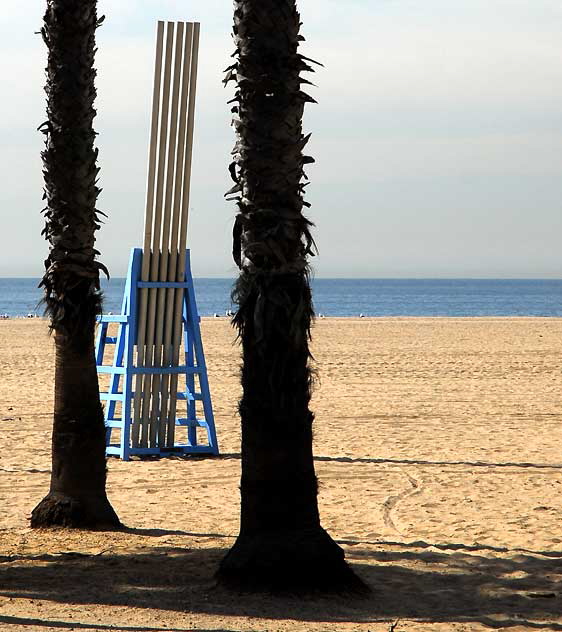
(437, 135)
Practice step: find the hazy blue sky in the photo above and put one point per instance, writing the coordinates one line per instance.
(438, 135)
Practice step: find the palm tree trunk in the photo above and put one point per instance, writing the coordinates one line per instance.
(281, 544)
(77, 496)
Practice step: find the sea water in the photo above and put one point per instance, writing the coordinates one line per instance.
(350, 297)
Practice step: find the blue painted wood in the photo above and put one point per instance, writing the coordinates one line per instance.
(201, 423)
(189, 361)
(117, 423)
(196, 352)
(114, 380)
(123, 371)
(186, 396)
(145, 370)
(110, 318)
(130, 301)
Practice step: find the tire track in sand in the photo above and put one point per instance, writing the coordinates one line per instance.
(391, 502)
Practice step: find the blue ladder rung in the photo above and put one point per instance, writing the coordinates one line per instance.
(144, 370)
(112, 396)
(113, 318)
(110, 340)
(186, 396)
(194, 397)
(111, 449)
(192, 423)
(119, 370)
(114, 423)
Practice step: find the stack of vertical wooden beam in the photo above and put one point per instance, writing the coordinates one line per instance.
(159, 329)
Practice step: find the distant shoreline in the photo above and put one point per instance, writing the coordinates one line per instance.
(350, 298)
(325, 278)
(25, 319)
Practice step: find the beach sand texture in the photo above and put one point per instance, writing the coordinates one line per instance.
(438, 447)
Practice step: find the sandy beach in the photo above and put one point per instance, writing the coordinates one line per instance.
(438, 450)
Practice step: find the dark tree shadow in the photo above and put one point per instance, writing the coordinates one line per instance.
(158, 533)
(74, 625)
(524, 464)
(499, 591)
(450, 546)
(228, 456)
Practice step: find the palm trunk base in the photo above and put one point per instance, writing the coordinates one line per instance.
(303, 561)
(60, 510)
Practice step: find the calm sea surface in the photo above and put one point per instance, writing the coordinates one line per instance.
(351, 297)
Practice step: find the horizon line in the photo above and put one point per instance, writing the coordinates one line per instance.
(351, 278)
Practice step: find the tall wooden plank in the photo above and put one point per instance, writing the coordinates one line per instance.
(157, 232)
(158, 409)
(182, 241)
(166, 395)
(148, 221)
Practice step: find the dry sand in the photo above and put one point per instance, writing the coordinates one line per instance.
(439, 450)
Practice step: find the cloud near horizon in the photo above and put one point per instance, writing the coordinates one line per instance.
(438, 135)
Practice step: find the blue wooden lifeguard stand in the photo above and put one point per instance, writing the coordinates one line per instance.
(124, 375)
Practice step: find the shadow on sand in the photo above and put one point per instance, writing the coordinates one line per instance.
(525, 465)
(352, 459)
(449, 584)
(24, 622)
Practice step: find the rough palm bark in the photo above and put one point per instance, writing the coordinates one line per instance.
(281, 545)
(77, 496)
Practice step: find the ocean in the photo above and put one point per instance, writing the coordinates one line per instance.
(352, 297)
